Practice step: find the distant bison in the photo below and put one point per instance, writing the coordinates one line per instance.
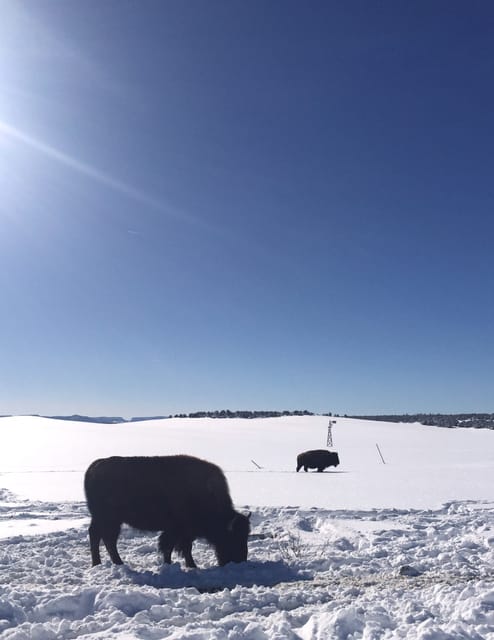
(184, 497)
(317, 459)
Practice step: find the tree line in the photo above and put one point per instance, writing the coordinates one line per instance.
(450, 420)
(226, 413)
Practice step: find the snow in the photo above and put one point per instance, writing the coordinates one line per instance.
(367, 550)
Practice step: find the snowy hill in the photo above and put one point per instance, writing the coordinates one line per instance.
(425, 466)
(395, 550)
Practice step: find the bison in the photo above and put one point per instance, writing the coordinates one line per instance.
(182, 496)
(317, 459)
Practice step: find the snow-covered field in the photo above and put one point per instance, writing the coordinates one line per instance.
(368, 550)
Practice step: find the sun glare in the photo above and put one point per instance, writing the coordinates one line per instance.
(10, 132)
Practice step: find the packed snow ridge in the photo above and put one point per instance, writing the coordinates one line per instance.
(368, 550)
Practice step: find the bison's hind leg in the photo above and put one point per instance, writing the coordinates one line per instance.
(94, 541)
(110, 533)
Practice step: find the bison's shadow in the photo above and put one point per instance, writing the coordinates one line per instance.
(245, 574)
(302, 472)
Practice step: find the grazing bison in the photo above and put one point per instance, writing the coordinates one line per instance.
(317, 459)
(184, 497)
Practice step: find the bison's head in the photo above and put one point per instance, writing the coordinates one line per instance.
(233, 547)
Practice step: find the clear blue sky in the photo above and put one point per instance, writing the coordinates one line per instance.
(246, 205)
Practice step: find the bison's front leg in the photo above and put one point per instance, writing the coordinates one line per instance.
(168, 541)
(185, 548)
(166, 544)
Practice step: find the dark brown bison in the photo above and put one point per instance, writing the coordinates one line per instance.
(317, 459)
(184, 497)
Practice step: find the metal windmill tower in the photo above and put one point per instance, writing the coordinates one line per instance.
(329, 440)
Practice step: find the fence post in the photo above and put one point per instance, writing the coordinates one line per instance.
(380, 453)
